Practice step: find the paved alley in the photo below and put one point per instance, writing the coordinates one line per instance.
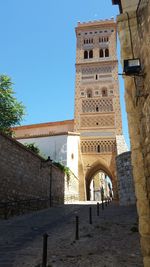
(111, 240)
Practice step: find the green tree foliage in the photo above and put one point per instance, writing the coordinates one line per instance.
(11, 111)
(33, 148)
(65, 169)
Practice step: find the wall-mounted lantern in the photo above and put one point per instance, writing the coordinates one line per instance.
(132, 67)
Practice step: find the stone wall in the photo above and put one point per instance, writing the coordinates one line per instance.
(121, 144)
(134, 32)
(71, 188)
(25, 175)
(125, 179)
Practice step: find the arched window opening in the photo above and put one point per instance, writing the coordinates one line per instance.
(89, 93)
(96, 77)
(101, 53)
(91, 54)
(98, 148)
(104, 92)
(85, 54)
(106, 52)
(97, 109)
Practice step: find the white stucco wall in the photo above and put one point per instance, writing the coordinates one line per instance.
(72, 153)
(61, 148)
(53, 146)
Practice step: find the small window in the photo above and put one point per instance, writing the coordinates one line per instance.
(101, 53)
(96, 77)
(97, 109)
(97, 123)
(82, 93)
(106, 52)
(85, 54)
(104, 92)
(98, 148)
(89, 93)
(91, 54)
(96, 92)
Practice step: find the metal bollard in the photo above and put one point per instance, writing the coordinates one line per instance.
(77, 228)
(90, 215)
(44, 258)
(97, 208)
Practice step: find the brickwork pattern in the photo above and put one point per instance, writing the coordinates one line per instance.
(97, 105)
(98, 121)
(98, 146)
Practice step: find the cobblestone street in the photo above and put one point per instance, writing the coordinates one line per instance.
(111, 241)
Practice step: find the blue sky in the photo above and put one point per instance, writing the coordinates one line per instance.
(37, 50)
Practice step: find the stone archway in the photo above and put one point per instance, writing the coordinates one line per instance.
(93, 170)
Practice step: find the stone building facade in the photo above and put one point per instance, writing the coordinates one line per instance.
(89, 143)
(126, 189)
(97, 102)
(53, 139)
(26, 176)
(134, 33)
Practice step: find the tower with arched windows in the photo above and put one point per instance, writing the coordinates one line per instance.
(97, 104)
(88, 145)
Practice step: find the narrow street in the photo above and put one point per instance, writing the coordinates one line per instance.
(110, 241)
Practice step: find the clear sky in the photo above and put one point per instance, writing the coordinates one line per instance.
(37, 50)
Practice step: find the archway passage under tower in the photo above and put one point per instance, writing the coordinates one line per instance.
(100, 187)
(99, 181)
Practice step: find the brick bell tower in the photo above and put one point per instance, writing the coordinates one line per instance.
(97, 102)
